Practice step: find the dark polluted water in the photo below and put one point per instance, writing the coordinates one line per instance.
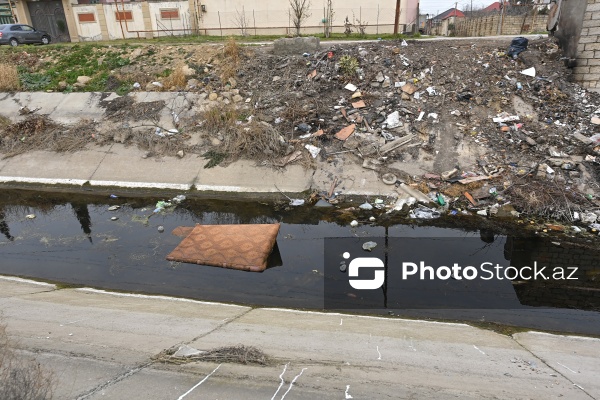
(74, 240)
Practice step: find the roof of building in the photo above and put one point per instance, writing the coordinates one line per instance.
(496, 6)
(452, 12)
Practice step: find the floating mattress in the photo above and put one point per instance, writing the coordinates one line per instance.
(242, 247)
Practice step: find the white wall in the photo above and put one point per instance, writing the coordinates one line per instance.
(87, 31)
(183, 25)
(129, 27)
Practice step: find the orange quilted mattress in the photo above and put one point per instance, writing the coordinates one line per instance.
(243, 247)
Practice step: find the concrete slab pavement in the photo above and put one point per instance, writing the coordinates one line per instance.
(246, 176)
(45, 167)
(125, 167)
(576, 358)
(60, 107)
(102, 345)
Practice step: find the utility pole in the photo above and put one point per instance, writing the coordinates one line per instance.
(418, 30)
(397, 19)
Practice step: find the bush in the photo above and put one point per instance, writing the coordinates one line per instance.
(21, 378)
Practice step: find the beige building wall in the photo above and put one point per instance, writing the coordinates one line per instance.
(272, 16)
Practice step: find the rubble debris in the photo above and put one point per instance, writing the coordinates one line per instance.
(313, 150)
(344, 133)
(369, 246)
(388, 147)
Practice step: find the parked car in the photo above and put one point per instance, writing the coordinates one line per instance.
(16, 34)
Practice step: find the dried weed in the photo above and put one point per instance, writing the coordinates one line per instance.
(231, 62)
(9, 78)
(239, 354)
(177, 80)
(256, 140)
(20, 376)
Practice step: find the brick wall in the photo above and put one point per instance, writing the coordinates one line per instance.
(492, 25)
(587, 71)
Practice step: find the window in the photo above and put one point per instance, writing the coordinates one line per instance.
(15, 28)
(86, 17)
(169, 13)
(27, 28)
(124, 16)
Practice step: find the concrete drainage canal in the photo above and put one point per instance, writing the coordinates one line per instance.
(323, 259)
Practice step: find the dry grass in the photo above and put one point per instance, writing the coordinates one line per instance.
(9, 78)
(177, 79)
(546, 199)
(239, 354)
(38, 132)
(231, 62)
(20, 377)
(257, 141)
(220, 119)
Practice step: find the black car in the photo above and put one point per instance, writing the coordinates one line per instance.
(16, 34)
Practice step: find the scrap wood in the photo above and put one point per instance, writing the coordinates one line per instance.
(344, 114)
(474, 179)
(282, 162)
(332, 188)
(471, 199)
(386, 148)
(359, 104)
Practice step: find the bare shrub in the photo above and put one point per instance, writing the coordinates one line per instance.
(9, 77)
(299, 12)
(21, 378)
(256, 140)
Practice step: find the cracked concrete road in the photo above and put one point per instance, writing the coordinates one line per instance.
(103, 345)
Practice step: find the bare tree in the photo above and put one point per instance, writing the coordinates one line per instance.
(329, 17)
(360, 25)
(300, 11)
(241, 21)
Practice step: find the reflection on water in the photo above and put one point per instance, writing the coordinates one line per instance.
(73, 240)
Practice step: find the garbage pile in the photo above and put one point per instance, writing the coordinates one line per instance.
(491, 131)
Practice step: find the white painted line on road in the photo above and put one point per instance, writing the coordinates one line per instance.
(144, 296)
(29, 281)
(44, 181)
(363, 316)
(564, 366)
(142, 185)
(477, 348)
(282, 381)
(199, 383)
(378, 352)
(348, 396)
(292, 382)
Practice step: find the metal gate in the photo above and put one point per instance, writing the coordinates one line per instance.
(6, 15)
(49, 16)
